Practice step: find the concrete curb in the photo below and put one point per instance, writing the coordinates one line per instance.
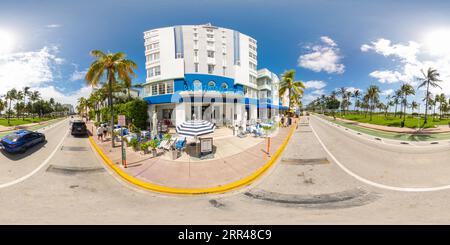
(194, 191)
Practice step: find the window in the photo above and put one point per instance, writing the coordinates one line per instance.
(152, 46)
(252, 66)
(196, 67)
(209, 30)
(224, 85)
(210, 54)
(210, 44)
(252, 79)
(224, 70)
(197, 85)
(161, 88)
(209, 35)
(196, 53)
(195, 34)
(155, 89)
(169, 87)
(210, 69)
(211, 84)
(154, 71)
(153, 57)
(252, 55)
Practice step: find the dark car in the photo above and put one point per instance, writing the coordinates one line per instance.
(21, 141)
(79, 128)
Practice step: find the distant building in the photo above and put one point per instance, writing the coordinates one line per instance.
(70, 108)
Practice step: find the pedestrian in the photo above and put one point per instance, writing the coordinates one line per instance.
(100, 133)
(105, 131)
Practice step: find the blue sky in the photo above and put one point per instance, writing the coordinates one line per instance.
(330, 43)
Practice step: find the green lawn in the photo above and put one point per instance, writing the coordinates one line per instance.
(391, 121)
(16, 121)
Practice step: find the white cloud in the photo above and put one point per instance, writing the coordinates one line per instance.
(322, 57)
(318, 92)
(406, 52)
(315, 84)
(387, 92)
(387, 76)
(70, 98)
(28, 68)
(78, 75)
(414, 57)
(53, 26)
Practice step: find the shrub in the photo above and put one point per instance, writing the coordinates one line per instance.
(153, 144)
(134, 143)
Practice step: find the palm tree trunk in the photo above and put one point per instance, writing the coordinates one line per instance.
(9, 112)
(110, 78)
(426, 104)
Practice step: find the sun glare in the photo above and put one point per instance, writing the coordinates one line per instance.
(6, 41)
(438, 42)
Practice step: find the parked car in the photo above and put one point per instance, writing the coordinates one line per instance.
(79, 128)
(20, 141)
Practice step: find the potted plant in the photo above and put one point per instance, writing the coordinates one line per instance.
(134, 143)
(153, 144)
(144, 147)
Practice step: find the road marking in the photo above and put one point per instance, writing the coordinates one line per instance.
(25, 177)
(375, 184)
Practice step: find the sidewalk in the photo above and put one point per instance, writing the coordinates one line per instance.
(438, 129)
(198, 173)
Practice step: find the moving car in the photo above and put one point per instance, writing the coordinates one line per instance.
(79, 128)
(20, 141)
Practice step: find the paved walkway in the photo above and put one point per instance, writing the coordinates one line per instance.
(201, 173)
(438, 129)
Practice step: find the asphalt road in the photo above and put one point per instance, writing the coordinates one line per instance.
(64, 182)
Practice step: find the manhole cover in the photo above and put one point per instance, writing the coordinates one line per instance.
(304, 161)
(71, 170)
(74, 148)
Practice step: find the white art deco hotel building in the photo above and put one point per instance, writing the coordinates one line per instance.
(207, 72)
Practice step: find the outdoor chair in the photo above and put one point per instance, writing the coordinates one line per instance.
(180, 144)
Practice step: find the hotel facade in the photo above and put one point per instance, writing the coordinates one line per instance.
(207, 72)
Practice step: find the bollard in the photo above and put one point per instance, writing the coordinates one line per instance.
(268, 145)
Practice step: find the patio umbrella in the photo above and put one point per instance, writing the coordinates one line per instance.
(195, 128)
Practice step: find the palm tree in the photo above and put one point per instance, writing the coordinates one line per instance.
(414, 106)
(397, 99)
(430, 78)
(34, 97)
(294, 88)
(116, 66)
(343, 92)
(2, 106)
(389, 104)
(82, 105)
(442, 100)
(372, 95)
(406, 90)
(10, 95)
(19, 98)
(356, 95)
(26, 93)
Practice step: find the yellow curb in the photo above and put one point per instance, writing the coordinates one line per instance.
(195, 191)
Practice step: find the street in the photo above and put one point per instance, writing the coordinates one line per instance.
(65, 182)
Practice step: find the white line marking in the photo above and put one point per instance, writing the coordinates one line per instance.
(23, 178)
(378, 185)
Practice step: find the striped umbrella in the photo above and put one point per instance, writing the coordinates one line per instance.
(195, 128)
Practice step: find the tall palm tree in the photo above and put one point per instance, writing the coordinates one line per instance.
(397, 99)
(406, 89)
(34, 97)
(442, 100)
(26, 93)
(342, 91)
(19, 98)
(373, 95)
(356, 95)
(294, 88)
(431, 78)
(115, 66)
(414, 106)
(10, 95)
(2, 106)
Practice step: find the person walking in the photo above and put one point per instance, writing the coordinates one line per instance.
(100, 133)
(105, 131)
